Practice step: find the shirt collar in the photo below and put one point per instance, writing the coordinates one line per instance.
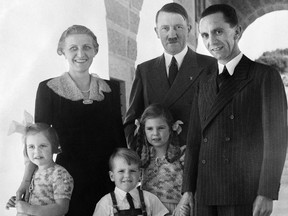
(122, 194)
(231, 64)
(179, 57)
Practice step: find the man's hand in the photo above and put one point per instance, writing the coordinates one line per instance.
(262, 206)
(186, 203)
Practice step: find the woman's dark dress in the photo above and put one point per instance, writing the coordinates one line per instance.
(88, 134)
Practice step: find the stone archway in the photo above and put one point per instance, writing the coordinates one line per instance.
(249, 11)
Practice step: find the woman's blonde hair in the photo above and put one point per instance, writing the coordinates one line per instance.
(76, 29)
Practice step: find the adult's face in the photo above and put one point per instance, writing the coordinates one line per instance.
(219, 37)
(79, 52)
(173, 31)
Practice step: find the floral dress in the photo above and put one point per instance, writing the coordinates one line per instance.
(49, 185)
(164, 179)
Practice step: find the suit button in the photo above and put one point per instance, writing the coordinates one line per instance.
(226, 160)
(203, 161)
(205, 140)
(231, 116)
(227, 139)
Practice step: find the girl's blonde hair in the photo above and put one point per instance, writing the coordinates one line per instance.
(49, 132)
(143, 146)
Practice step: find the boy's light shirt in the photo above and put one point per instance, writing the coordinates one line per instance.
(154, 207)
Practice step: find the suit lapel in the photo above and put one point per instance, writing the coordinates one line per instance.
(229, 89)
(187, 75)
(208, 92)
(157, 78)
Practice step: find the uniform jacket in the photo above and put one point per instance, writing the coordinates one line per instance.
(237, 138)
(151, 85)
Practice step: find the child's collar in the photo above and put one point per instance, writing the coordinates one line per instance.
(122, 194)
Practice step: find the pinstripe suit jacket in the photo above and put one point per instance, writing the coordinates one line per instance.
(151, 86)
(237, 139)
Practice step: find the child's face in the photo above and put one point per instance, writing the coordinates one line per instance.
(125, 176)
(39, 150)
(157, 132)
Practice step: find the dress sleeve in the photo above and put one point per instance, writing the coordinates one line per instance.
(63, 184)
(43, 104)
(116, 114)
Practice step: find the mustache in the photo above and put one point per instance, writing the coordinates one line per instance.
(172, 40)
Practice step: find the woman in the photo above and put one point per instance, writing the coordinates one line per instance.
(85, 111)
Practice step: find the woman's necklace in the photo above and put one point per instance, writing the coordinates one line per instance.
(86, 99)
(85, 93)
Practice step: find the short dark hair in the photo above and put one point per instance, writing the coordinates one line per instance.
(174, 8)
(48, 131)
(129, 155)
(76, 29)
(229, 13)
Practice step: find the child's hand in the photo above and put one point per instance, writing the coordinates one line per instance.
(184, 210)
(181, 210)
(23, 191)
(22, 206)
(11, 202)
(182, 158)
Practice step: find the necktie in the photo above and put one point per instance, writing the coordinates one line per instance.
(130, 201)
(221, 77)
(173, 70)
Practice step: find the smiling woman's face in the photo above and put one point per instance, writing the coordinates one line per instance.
(79, 52)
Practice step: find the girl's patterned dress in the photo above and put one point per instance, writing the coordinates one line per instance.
(164, 179)
(49, 185)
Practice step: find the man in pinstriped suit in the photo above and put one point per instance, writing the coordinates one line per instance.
(237, 138)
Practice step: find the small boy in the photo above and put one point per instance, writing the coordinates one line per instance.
(127, 199)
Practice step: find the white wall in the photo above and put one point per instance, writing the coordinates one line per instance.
(30, 31)
(148, 44)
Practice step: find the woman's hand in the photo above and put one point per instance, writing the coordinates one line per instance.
(23, 191)
(11, 202)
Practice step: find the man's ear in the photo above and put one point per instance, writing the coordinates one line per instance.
(156, 31)
(189, 28)
(238, 32)
(111, 175)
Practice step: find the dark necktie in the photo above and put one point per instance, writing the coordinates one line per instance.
(173, 70)
(130, 201)
(221, 77)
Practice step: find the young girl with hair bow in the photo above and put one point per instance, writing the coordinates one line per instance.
(161, 156)
(51, 185)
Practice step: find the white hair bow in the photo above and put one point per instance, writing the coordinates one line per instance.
(16, 127)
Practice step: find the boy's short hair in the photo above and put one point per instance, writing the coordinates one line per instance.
(130, 156)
